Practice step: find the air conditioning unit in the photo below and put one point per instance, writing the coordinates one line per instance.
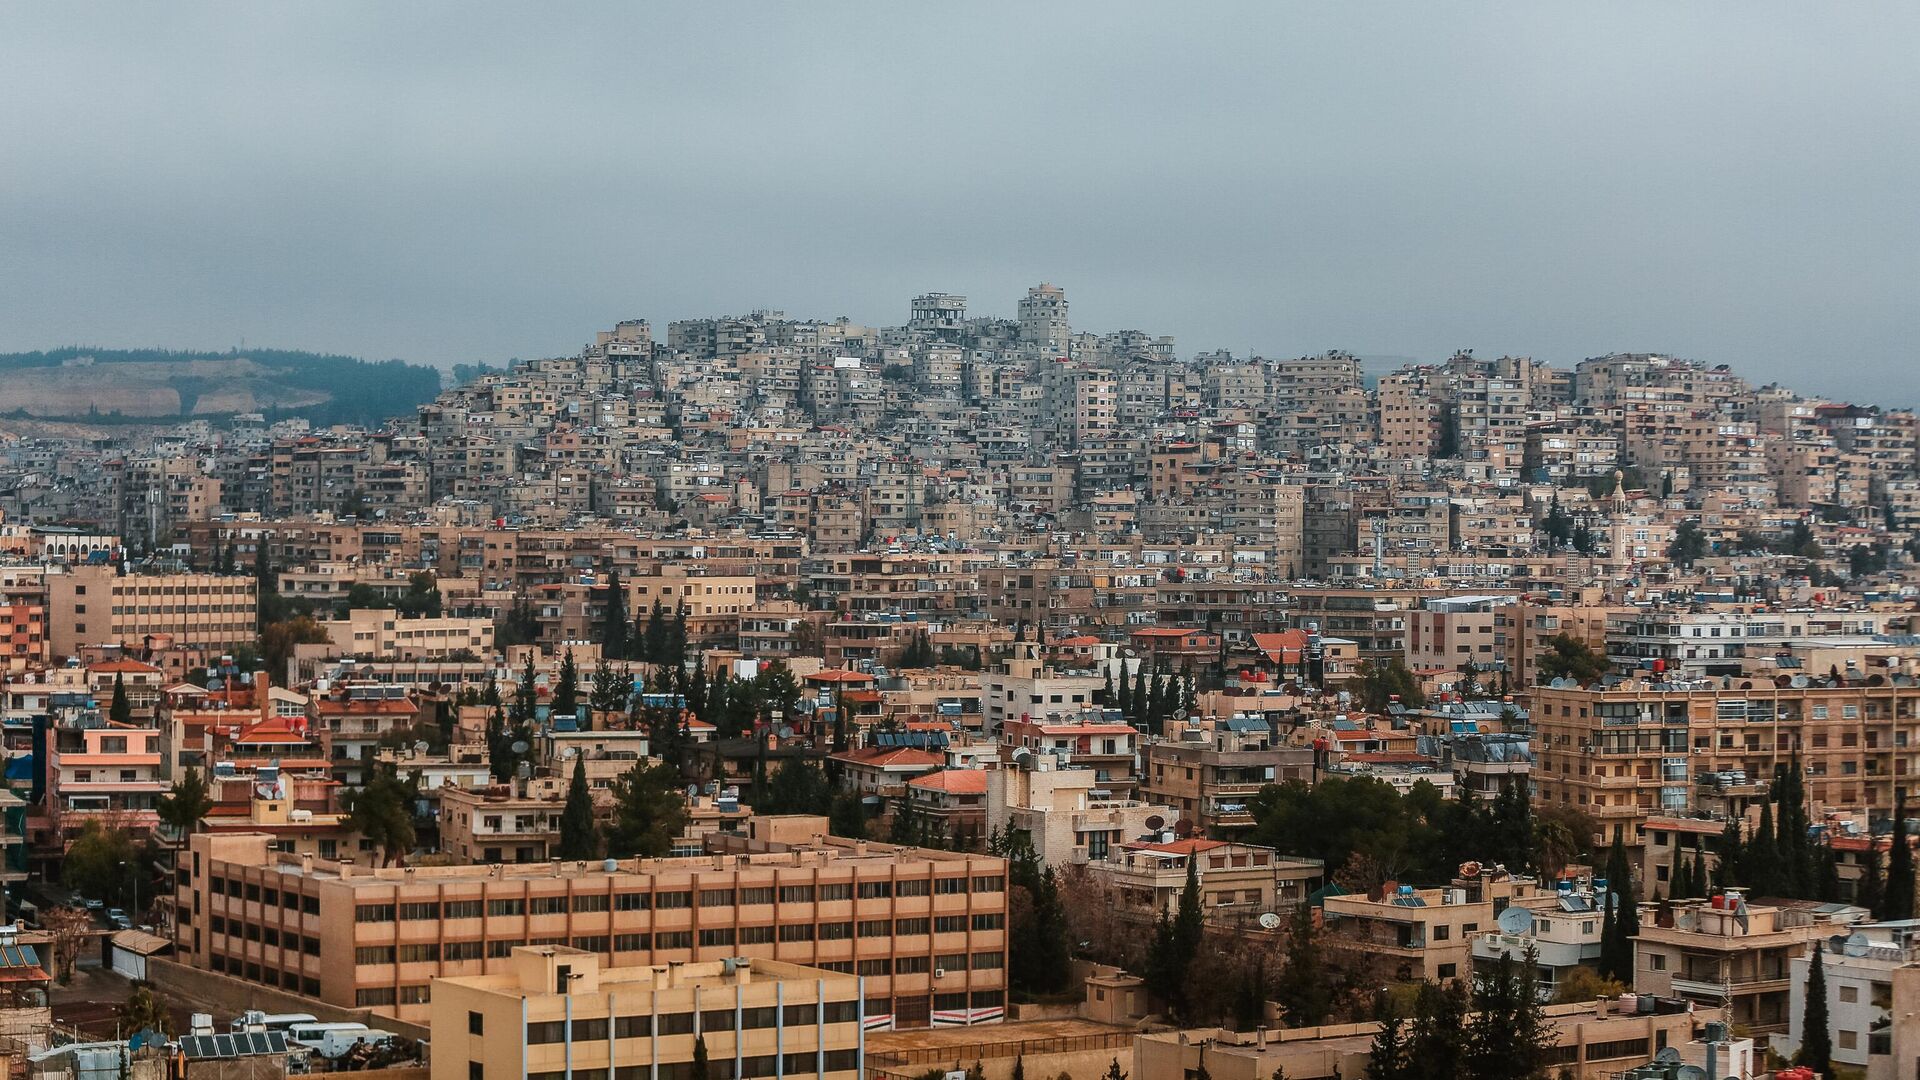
(939, 973)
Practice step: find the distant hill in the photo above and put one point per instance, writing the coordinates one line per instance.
(78, 383)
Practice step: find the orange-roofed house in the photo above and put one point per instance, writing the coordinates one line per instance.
(953, 802)
(354, 721)
(143, 683)
(883, 771)
(1179, 648)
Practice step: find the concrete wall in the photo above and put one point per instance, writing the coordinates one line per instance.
(227, 997)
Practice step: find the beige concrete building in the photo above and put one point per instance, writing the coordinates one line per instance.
(94, 604)
(1723, 953)
(380, 632)
(925, 929)
(1209, 771)
(1063, 811)
(557, 1013)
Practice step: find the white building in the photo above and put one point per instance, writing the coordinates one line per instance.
(1064, 812)
(1859, 970)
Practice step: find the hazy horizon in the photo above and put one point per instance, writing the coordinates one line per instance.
(464, 183)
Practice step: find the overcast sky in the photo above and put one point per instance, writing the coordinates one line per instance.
(444, 182)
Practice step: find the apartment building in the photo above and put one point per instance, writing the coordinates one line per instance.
(1209, 771)
(384, 633)
(1413, 933)
(94, 604)
(558, 1013)
(1239, 883)
(1723, 953)
(1858, 965)
(1107, 749)
(1066, 812)
(1635, 749)
(1447, 632)
(1024, 686)
(512, 823)
(925, 929)
(1701, 644)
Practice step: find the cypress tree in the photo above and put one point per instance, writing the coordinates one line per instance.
(1896, 901)
(566, 693)
(1762, 866)
(1139, 715)
(699, 1069)
(1701, 886)
(1733, 856)
(1816, 1036)
(121, 710)
(1387, 1059)
(1870, 891)
(1106, 691)
(1621, 920)
(1305, 989)
(579, 830)
(614, 628)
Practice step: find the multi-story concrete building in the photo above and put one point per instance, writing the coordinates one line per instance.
(1723, 953)
(1238, 883)
(1210, 770)
(917, 925)
(95, 604)
(557, 1013)
(1635, 749)
(1067, 813)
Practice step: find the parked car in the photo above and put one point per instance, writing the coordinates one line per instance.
(118, 919)
(92, 905)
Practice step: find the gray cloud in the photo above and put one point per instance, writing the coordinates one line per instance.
(441, 182)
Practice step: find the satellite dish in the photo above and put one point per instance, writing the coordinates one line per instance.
(571, 753)
(1269, 921)
(693, 791)
(786, 732)
(1155, 823)
(1515, 921)
(420, 747)
(1856, 945)
(519, 746)
(1668, 1055)
(1690, 1072)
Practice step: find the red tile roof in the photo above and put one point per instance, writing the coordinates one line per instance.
(953, 781)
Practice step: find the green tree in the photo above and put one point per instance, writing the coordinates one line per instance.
(1175, 945)
(614, 628)
(1384, 684)
(609, 690)
(1816, 1034)
(1571, 658)
(1305, 987)
(1438, 1038)
(579, 829)
(101, 865)
(649, 810)
(266, 589)
(1870, 891)
(1582, 984)
(1896, 899)
(566, 690)
(798, 787)
(381, 812)
(1387, 1059)
(1620, 922)
(848, 816)
(1114, 1072)
(653, 634)
(121, 711)
(278, 639)
(1509, 1037)
(185, 803)
(700, 1069)
(146, 1010)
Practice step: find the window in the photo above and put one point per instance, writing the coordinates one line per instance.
(796, 894)
(875, 890)
(994, 883)
(910, 927)
(454, 951)
(630, 901)
(549, 905)
(875, 967)
(918, 887)
(381, 995)
(836, 931)
(1849, 1039)
(796, 932)
(461, 909)
(503, 947)
(756, 896)
(1448, 971)
(994, 921)
(911, 965)
(633, 1027)
(949, 886)
(950, 924)
(716, 936)
(876, 928)
(676, 939)
(419, 911)
(669, 901)
(1657, 962)
(1442, 933)
(498, 908)
(716, 897)
(984, 961)
(590, 902)
(1849, 994)
(629, 943)
(373, 913)
(839, 891)
(675, 1023)
(546, 1031)
(373, 954)
(419, 954)
(951, 962)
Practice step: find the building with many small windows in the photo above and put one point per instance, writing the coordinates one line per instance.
(558, 1013)
(925, 929)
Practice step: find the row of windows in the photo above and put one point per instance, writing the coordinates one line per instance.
(641, 901)
(683, 1023)
(268, 895)
(286, 980)
(837, 1061)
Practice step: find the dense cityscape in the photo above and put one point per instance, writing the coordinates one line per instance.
(976, 696)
